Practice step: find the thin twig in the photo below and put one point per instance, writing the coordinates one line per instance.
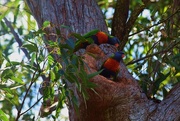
(146, 28)
(161, 21)
(27, 91)
(31, 106)
(163, 51)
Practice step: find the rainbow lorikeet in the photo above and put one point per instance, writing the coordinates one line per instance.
(102, 38)
(111, 66)
(97, 38)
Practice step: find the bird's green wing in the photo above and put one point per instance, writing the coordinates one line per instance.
(89, 34)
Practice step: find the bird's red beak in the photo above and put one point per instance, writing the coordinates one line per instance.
(123, 55)
(116, 45)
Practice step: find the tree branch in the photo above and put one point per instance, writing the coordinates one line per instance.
(169, 108)
(120, 18)
(27, 91)
(31, 106)
(18, 40)
(131, 21)
(134, 16)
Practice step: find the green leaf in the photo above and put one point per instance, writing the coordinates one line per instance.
(13, 63)
(31, 47)
(70, 77)
(17, 80)
(11, 96)
(71, 43)
(78, 36)
(177, 56)
(165, 92)
(66, 27)
(7, 59)
(75, 103)
(37, 33)
(30, 67)
(89, 34)
(52, 75)
(60, 104)
(3, 116)
(58, 32)
(48, 92)
(4, 14)
(85, 94)
(33, 57)
(159, 80)
(1, 58)
(144, 86)
(74, 60)
(50, 60)
(16, 16)
(9, 7)
(46, 24)
(90, 85)
(56, 71)
(65, 46)
(83, 76)
(94, 74)
(7, 74)
(60, 72)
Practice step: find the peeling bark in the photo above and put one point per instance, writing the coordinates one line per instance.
(112, 101)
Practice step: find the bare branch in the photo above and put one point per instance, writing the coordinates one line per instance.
(31, 106)
(17, 38)
(120, 18)
(27, 91)
(130, 23)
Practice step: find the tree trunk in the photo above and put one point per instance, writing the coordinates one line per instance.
(111, 101)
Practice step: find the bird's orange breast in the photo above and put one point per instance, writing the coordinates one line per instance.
(112, 65)
(102, 37)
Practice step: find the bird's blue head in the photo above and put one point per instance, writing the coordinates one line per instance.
(118, 56)
(113, 41)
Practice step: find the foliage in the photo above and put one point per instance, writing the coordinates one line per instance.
(152, 56)
(153, 44)
(54, 74)
(154, 37)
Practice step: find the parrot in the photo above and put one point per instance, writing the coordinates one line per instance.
(111, 66)
(97, 38)
(102, 38)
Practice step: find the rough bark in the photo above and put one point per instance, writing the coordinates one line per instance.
(120, 19)
(124, 100)
(81, 16)
(112, 101)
